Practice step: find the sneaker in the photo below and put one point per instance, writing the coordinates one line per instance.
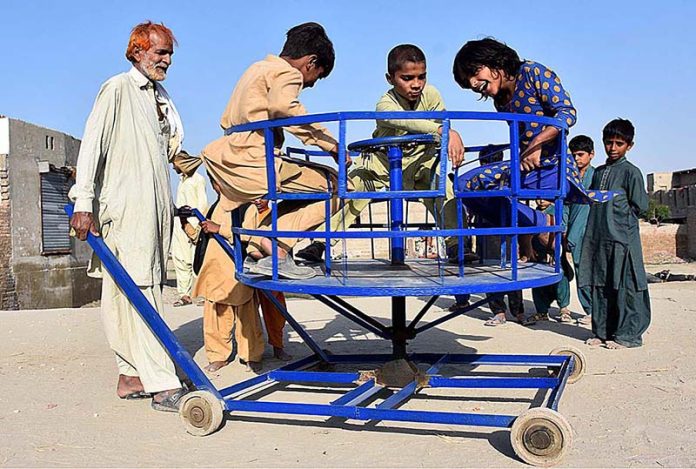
(313, 253)
(286, 269)
(249, 262)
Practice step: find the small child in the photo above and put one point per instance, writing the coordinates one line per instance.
(228, 302)
(611, 264)
(582, 149)
(560, 292)
(406, 73)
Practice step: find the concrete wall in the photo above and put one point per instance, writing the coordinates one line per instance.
(41, 281)
(659, 182)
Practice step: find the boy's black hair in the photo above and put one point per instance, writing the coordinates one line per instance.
(621, 128)
(581, 143)
(310, 39)
(401, 54)
(484, 52)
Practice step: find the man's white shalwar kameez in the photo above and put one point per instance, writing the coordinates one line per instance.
(191, 192)
(123, 179)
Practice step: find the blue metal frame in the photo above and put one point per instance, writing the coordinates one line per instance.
(398, 231)
(355, 402)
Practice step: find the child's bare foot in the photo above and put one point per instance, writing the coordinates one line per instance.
(251, 366)
(281, 354)
(214, 366)
(612, 345)
(585, 320)
(565, 316)
(593, 341)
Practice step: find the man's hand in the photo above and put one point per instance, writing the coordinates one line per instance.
(531, 160)
(455, 148)
(334, 153)
(83, 223)
(210, 227)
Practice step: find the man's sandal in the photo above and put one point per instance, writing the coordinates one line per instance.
(171, 402)
(497, 320)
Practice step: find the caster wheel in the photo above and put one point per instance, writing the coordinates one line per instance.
(201, 413)
(541, 437)
(580, 366)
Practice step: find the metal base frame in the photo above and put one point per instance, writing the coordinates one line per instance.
(240, 397)
(237, 398)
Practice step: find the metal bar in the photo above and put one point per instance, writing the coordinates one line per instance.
(148, 313)
(224, 244)
(493, 383)
(398, 397)
(296, 326)
(357, 312)
(394, 153)
(359, 394)
(360, 115)
(515, 187)
(245, 386)
(399, 331)
(564, 373)
(342, 311)
(313, 377)
(367, 413)
(403, 234)
(422, 312)
(459, 358)
(435, 368)
(434, 323)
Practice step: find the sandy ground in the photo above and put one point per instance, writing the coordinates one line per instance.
(634, 407)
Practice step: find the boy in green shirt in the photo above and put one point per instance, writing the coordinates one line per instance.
(582, 148)
(611, 265)
(406, 72)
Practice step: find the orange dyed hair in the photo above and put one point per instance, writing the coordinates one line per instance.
(140, 37)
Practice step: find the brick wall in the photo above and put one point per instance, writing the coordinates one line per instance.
(8, 290)
(664, 244)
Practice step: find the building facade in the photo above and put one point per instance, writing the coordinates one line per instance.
(41, 266)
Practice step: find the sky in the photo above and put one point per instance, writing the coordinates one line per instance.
(616, 58)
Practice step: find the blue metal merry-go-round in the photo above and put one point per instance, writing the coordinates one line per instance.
(539, 436)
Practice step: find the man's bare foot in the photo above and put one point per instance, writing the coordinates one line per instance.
(281, 354)
(612, 345)
(128, 385)
(214, 366)
(593, 341)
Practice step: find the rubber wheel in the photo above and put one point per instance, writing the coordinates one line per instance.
(541, 437)
(580, 366)
(201, 412)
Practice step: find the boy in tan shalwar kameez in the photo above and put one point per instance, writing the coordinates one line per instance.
(269, 89)
(227, 301)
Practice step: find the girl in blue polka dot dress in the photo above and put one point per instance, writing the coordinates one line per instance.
(494, 70)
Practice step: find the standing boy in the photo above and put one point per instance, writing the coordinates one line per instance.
(406, 72)
(611, 264)
(228, 302)
(582, 148)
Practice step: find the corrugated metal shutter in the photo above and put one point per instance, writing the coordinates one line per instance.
(55, 226)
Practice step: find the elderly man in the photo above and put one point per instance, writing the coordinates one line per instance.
(122, 193)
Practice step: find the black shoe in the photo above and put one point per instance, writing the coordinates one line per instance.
(314, 253)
